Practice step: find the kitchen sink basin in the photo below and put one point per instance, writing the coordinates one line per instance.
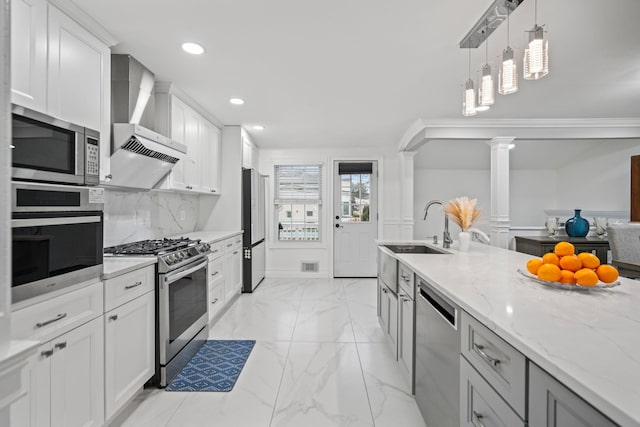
(415, 249)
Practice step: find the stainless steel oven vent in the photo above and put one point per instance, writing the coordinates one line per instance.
(135, 146)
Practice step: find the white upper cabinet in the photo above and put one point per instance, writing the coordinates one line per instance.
(210, 155)
(199, 171)
(29, 53)
(249, 152)
(61, 69)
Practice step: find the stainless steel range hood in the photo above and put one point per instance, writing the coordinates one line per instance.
(140, 157)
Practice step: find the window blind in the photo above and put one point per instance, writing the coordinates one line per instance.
(298, 184)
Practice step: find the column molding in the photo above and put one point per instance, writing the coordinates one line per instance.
(407, 194)
(500, 220)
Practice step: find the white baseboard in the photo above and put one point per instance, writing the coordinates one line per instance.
(295, 274)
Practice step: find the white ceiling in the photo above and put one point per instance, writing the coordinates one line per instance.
(359, 72)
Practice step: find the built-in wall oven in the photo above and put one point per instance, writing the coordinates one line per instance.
(56, 235)
(46, 149)
(182, 315)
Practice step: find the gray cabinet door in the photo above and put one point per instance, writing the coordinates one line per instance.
(553, 405)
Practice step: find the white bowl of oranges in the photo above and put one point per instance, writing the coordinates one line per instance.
(564, 268)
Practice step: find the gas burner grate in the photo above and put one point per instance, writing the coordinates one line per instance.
(151, 247)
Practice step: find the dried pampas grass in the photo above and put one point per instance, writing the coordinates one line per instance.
(463, 211)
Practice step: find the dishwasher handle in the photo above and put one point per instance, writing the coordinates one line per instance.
(439, 304)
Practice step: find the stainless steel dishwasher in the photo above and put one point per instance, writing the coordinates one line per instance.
(437, 364)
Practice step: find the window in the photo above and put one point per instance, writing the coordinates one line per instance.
(298, 198)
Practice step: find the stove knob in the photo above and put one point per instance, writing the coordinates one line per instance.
(180, 256)
(168, 260)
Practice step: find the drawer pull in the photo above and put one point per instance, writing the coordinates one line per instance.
(404, 278)
(60, 345)
(480, 350)
(478, 418)
(46, 353)
(384, 290)
(114, 317)
(235, 253)
(214, 301)
(229, 245)
(135, 285)
(215, 250)
(48, 322)
(404, 299)
(189, 187)
(215, 273)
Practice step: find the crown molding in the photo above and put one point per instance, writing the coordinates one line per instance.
(423, 130)
(86, 21)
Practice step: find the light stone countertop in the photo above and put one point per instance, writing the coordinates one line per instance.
(115, 266)
(588, 340)
(209, 236)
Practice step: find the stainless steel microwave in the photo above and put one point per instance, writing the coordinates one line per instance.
(47, 149)
(57, 237)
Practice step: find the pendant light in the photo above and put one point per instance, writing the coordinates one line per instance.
(508, 74)
(486, 95)
(469, 95)
(536, 57)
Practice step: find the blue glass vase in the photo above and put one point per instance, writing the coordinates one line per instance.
(577, 226)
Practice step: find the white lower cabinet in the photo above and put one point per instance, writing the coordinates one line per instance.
(216, 297)
(405, 333)
(130, 354)
(551, 404)
(65, 381)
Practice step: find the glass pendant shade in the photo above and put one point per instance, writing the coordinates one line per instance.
(536, 57)
(508, 74)
(469, 100)
(486, 95)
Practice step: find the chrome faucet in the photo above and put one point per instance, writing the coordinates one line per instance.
(446, 237)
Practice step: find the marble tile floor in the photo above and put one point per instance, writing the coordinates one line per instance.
(320, 360)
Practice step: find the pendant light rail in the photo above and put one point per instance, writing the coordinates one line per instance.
(488, 22)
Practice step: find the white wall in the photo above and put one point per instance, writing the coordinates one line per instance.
(598, 178)
(563, 175)
(445, 185)
(284, 258)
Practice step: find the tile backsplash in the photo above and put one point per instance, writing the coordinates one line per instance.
(131, 216)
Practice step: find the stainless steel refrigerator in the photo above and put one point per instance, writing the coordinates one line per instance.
(253, 225)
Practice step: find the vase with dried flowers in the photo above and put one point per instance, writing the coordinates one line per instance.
(463, 211)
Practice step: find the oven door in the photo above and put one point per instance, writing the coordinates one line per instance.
(54, 250)
(182, 307)
(46, 149)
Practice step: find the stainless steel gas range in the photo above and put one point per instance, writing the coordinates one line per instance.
(181, 299)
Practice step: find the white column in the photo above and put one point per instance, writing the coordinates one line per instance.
(407, 195)
(500, 221)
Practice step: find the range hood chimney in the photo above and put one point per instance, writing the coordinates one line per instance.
(140, 157)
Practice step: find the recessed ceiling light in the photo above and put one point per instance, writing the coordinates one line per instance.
(192, 48)
(258, 127)
(236, 101)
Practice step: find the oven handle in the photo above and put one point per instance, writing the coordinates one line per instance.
(170, 278)
(40, 222)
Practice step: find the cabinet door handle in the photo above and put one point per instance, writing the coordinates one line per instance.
(114, 317)
(48, 322)
(46, 353)
(60, 345)
(215, 250)
(135, 285)
(214, 301)
(384, 290)
(478, 417)
(405, 278)
(188, 187)
(235, 253)
(480, 350)
(215, 273)
(405, 299)
(213, 191)
(229, 245)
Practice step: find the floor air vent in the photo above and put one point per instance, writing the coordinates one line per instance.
(310, 267)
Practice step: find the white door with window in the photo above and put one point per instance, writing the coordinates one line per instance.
(355, 218)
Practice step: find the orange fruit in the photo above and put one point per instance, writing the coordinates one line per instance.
(564, 248)
(607, 273)
(551, 258)
(586, 277)
(533, 265)
(570, 262)
(567, 276)
(589, 260)
(549, 272)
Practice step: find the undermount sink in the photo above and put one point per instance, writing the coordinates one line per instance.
(415, 249)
